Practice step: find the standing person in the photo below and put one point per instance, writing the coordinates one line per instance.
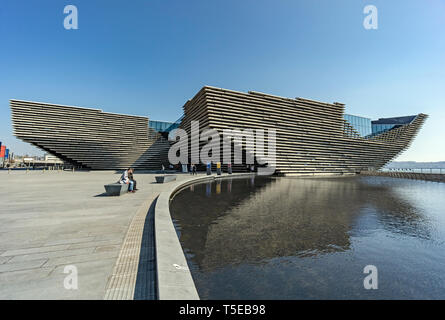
(124, 179)
(163, 168)
(130, 176)
(191, 169)
(194, 169)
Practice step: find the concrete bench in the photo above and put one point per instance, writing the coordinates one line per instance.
(116, 189)
(166, 178)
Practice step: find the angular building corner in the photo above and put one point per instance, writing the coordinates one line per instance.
(312, 137)
(89, 138)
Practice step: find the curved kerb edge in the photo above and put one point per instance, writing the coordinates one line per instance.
(122, 283)
(174, 278)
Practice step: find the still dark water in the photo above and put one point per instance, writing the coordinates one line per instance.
(293, 238)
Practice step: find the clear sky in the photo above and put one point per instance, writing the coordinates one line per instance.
(148, 57)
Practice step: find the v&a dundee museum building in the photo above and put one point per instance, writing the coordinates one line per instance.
(312, 137)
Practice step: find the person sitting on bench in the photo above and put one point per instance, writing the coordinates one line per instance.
(130, 176)
(124, 179)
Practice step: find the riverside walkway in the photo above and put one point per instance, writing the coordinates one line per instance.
(56, 219)
(435, 177)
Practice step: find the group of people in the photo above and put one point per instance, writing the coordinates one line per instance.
(127, 178)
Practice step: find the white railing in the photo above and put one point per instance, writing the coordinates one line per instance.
(415, 170)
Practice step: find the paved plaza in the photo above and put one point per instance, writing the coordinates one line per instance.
(49, 220)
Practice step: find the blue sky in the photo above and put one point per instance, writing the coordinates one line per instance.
(148, 57)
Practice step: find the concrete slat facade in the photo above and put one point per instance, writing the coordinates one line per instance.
(88, 137)
(312, 137)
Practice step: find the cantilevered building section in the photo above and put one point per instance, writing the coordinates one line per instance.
(312, 137)
(89, 138)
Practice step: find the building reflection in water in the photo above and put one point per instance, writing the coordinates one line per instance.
(218, 186)
(229, 185)
(277, 218)
(208, 189)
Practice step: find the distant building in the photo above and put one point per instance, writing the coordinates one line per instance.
(48, 158)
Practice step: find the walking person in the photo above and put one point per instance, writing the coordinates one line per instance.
(194, 169)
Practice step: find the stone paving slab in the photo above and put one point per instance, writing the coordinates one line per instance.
(54, 219)
(4, 259)
(96, 243)
(91, 283)
(51, 254)
(25, 265)
(24, 275)
(33, 250)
